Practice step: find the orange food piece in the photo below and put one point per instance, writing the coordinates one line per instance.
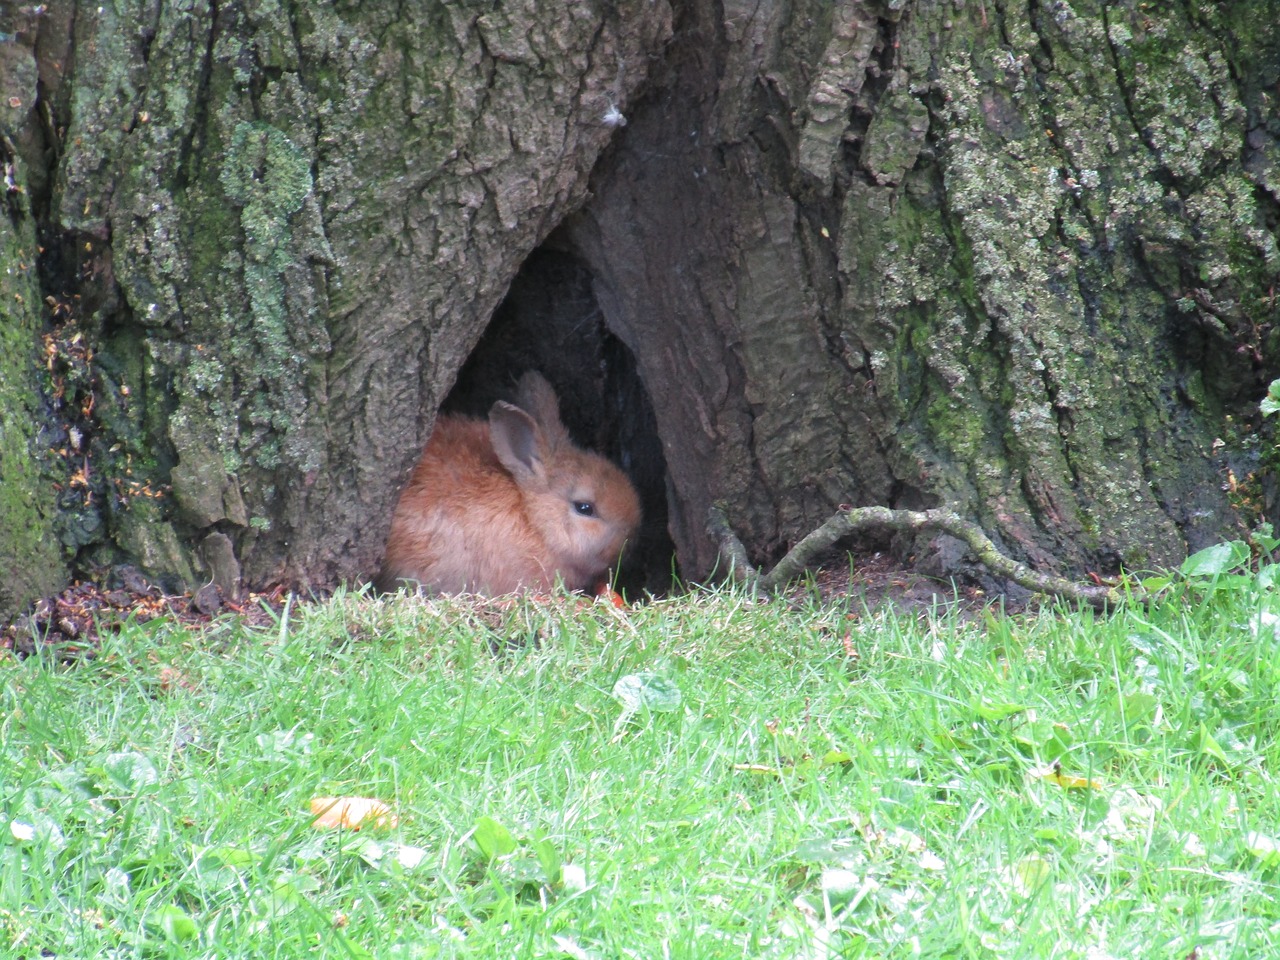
(605, 592)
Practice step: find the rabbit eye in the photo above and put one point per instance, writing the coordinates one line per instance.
(584, 508)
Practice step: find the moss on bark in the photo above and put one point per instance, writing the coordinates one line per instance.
(1076, 146)
(31, 561)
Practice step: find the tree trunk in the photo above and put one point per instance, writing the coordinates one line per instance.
(283, 227)
(1018, 259)
(1015, 258)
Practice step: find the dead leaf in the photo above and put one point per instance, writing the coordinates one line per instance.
(171, 678)
(1054, 774)
(351, 813)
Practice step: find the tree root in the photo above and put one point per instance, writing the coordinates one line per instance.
(734, 555)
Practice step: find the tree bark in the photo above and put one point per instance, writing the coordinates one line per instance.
(30, 561)
(283, 226)
(1017, 259)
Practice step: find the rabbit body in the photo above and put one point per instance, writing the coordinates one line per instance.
(509, 503)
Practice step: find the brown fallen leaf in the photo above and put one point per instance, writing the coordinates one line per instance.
(351, 813)
(171, 678)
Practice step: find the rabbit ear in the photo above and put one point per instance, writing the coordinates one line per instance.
(517, 441)
(538, 397)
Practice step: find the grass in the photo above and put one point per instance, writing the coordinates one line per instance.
(832, 783)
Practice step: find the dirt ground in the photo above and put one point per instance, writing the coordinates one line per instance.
(70, 624)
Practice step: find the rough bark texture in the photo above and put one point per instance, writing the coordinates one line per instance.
(30, 562)
(284, 225)
(1015, 258)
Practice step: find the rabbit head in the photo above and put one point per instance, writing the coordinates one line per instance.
(582, 506)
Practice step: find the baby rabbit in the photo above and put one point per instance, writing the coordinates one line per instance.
(509, 504)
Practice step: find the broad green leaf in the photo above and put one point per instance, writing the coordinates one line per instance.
(286, 895)
(117, 887)
(1137, 708)
(643, 692)
(1059, 743)
(493, 839)
(842, 888)
(74, 782)
(1263, 847)
(1029, 874)
(1145, 643)
(1207, 745)
(130, 771)
(646, 691)
(1215, 560)
(223, 868)
(1263, 536)
(1236, 582)
(1268, 573)
(548, 856)
(998, 711)
(802, 768)
(1271, 402)
(370, 851)
(284, 744)
(523, 871)
(1034, 736)
(388, 853)
(835, 758)
(174, 922)
(843, 850)
(951, 740)
(237, 858)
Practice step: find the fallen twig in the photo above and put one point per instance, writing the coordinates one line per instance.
(734, 555)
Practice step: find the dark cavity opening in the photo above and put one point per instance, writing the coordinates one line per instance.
(550, 321)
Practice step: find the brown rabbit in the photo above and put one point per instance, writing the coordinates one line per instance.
(509, 504)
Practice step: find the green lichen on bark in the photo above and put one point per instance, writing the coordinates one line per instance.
(268, 179)
(223, 246)
(31, 563)
(1084, 152)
